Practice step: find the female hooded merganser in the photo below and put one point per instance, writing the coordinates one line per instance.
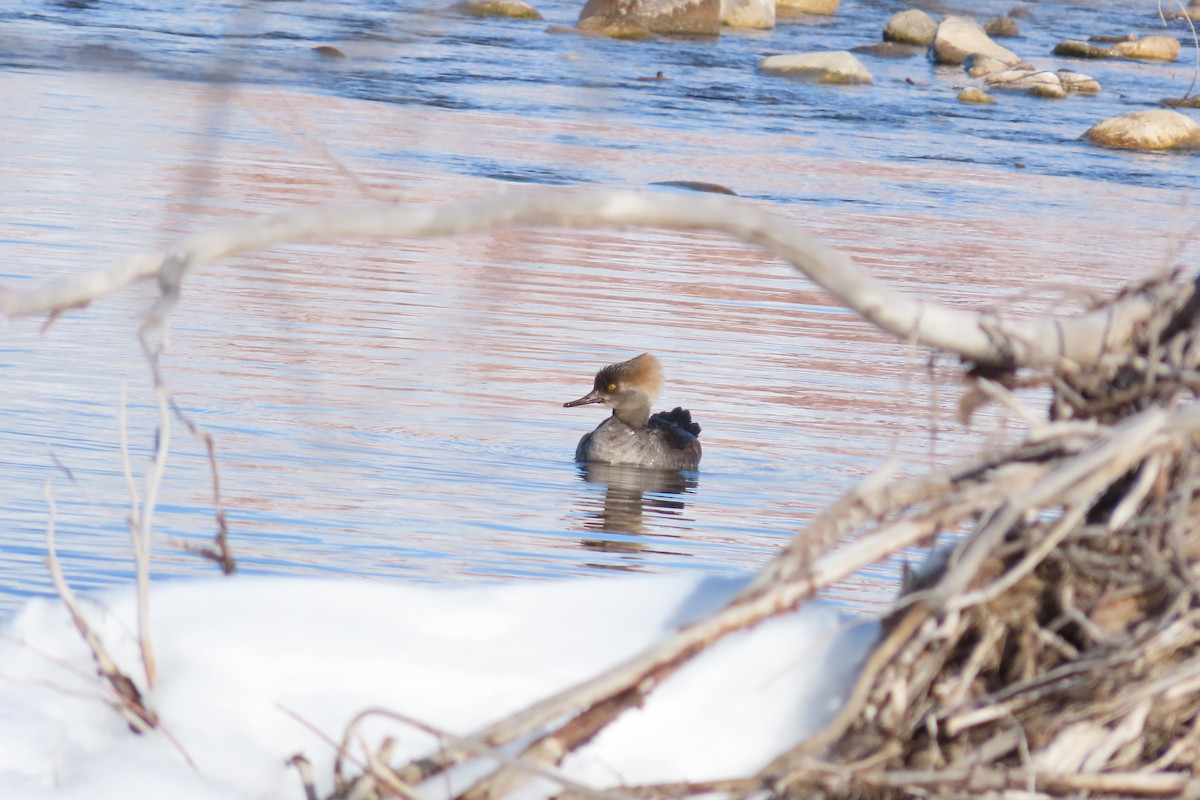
(632, 435)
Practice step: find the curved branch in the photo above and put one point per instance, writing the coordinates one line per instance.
(986, 339)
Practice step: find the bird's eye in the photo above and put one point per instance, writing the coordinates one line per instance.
(612, 387)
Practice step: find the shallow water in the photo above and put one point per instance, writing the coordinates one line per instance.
(394, 410)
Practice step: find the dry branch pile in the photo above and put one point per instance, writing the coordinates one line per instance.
(1056, 651)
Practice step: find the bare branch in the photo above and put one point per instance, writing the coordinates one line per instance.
(131, 707)
(984, 338)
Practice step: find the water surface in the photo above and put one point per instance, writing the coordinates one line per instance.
(394, 410)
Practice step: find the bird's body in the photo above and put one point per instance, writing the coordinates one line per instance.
(632, 435)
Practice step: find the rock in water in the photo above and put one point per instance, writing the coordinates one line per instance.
(973, 94)
(910, 27)
(1150, 48)
(678, 17)
(512, 9)
(837, 66)
(756, 14)
(1002, 27)
(1073, 48)
(612, 27)
(959, 37)
(823, 7)
(1159, 129)
(1078, 83)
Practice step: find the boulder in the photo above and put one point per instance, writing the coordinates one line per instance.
(910, 27)
(755, 14)
(887, 50)
(973, 94)
(1159, 129)
(1002, 27)
(837, 67)
(612, 27)
(679, 17)
(1078, 83)
(1192, 12)
(792, 7)
(1036, 82)
(513, 9)
(1073, 48)
(959, 37)
(977, 66)
(1150, 48)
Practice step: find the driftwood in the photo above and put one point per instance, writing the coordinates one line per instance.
(1056, 651)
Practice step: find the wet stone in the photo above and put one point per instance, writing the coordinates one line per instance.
(910, 27)
(509, 9)
(1159, 129)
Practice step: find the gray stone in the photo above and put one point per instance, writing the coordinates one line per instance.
(754, 14)
(910, 27)
(1073, 48)
(1031, 81)
(1002, 27)
(887, 50)
(978, 66)
(791, 7)
(1150, 48)
(612, 27)
(1159, 129)
(959, 37)
(973, 94)
(680, 17)
(837, 66)
(1078, 83)
(512, 9)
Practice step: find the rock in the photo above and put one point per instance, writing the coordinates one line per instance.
(1036, 82)
(1075, 49)
(328, 51)
(887, 50)
(1129, 37)
(838, 67)
(911, 27)
(1147, 48)
(792, 7)
(1183, 102)
(1050, 91)
(754, 14)
(1159, 129)
(672, 17)
(1018, 12)
(1150, 48)
(613, 28)
(512, 9)
(697, 186)
(1078, 83)
(1002, 27)
(973, 94)
(977, 66)
(1192, 12)
(959, 37)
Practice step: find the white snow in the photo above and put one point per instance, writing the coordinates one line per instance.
(235, 656)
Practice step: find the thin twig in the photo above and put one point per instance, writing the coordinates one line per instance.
(130, 705)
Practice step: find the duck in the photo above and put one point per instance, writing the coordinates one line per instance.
(631, 435)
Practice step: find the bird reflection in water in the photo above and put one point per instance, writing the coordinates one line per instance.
(633, 498)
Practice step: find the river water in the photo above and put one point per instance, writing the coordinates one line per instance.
(394, 410)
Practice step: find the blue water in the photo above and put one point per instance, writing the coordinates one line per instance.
(394, 411)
